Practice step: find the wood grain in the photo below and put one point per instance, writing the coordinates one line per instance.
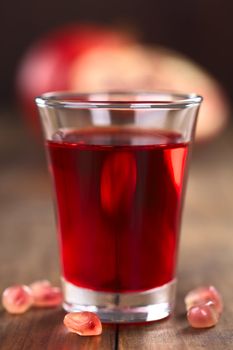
(206, 255)
(43, 329)
(28, 251)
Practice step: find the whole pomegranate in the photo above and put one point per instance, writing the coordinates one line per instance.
(87, 58)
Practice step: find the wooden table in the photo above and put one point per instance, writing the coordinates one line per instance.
(28, 250)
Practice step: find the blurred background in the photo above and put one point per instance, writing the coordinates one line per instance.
(93, 45)
(200, 30)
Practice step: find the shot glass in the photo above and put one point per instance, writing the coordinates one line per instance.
(119, 164)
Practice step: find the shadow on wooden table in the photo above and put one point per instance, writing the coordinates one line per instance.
(44, 329)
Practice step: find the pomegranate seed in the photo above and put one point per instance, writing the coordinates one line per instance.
(204, 294)
(45, 295)
(83, 323)
(39, 284)
(17, 299)
(203, 316)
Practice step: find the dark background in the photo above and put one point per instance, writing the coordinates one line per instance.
(201, 29)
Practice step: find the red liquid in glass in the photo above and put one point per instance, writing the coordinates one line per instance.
(119, 197)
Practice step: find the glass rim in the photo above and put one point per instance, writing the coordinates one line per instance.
(146, 100)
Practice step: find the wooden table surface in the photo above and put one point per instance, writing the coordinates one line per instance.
(28, 250)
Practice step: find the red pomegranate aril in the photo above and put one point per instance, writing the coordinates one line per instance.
(17, 299)
(39, 284)
(203, 315)
(204, 294)
(45, 295)
(83, 323)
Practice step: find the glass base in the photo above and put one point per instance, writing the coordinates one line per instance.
(151, 305)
